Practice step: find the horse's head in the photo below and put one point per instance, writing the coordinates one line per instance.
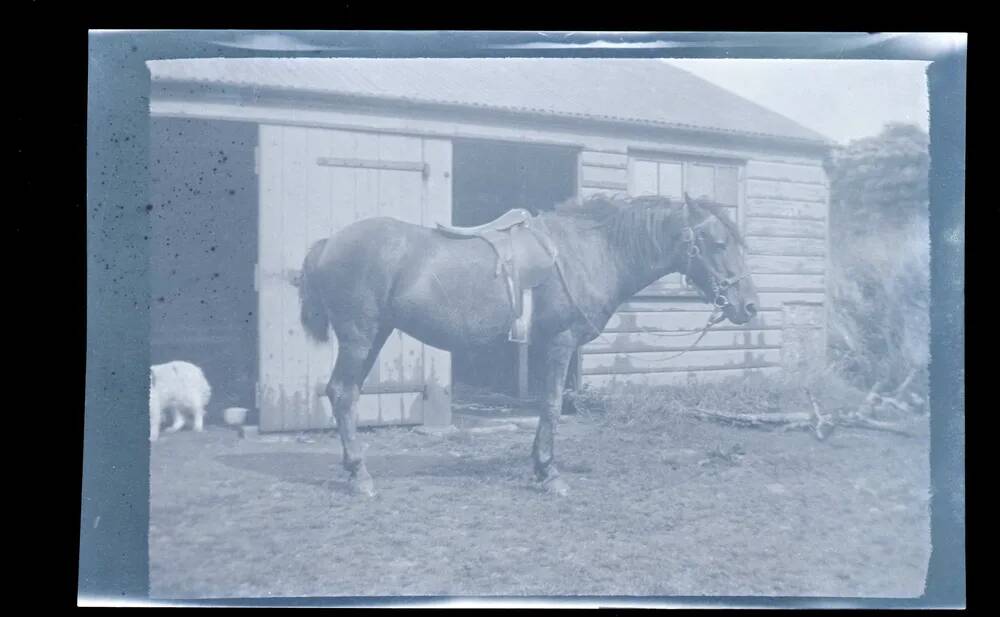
(712, 259)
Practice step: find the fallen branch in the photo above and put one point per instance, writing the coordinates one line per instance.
(818, 422)
(859, 421)
(906, 384)
(823, 426)
(753, 419)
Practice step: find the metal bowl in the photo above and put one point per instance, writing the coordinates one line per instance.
(235, 415)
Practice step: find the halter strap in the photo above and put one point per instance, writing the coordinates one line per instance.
(562, 276)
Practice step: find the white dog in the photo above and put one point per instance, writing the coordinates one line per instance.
(180, 387)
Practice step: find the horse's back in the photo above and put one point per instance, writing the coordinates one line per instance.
(358, 265)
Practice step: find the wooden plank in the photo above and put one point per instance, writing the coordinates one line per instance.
(360, 200)
(774, 189)
(798, 315)
(608, 185)
(620, 166)
(323, 187)
(658, 361)
(668, 305)
(660, 321)
(352, 195)
(415, 166)
(629, 342)
(395, 409)
(593, 175)
(437, 154)
(270, 296)
(618, 159)
(786, 228)
(810, 210)
(401, 197)
(590, 191)
(672, 284)
(775, 300)
(784, 264)
(788, 281)
(765, 170)
(799, 247)
(674, 378)
(295, 372)
(522, 370)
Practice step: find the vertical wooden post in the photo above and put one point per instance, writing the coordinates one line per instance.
(522, 370)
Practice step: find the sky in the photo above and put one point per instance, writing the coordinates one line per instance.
(841, 99)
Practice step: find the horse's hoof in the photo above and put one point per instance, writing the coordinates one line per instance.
(556, 486)
(363, 487)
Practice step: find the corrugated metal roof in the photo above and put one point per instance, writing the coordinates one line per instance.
(638, 91)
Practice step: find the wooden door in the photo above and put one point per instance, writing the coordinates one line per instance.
(314, 182)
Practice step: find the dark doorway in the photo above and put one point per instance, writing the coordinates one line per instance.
(490, 178)
(203, 249)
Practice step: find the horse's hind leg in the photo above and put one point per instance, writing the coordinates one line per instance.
(560, 352)
(355, 356)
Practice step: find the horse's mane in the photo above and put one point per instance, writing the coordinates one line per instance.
(638, 224)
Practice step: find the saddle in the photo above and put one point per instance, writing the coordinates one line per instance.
(525, 258)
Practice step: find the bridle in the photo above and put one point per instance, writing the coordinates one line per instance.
(720, 284)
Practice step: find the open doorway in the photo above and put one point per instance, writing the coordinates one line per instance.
(490, 178)
(203, 247)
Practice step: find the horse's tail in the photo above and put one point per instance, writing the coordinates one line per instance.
(313, 314)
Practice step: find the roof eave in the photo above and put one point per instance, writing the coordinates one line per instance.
(256, 91)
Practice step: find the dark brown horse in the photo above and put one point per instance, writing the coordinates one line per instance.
(379, 274)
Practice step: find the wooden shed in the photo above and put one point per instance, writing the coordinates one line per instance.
(286, 151)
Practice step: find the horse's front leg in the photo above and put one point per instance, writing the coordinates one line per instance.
(558, 356)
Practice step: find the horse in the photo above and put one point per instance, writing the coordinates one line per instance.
(379, 274)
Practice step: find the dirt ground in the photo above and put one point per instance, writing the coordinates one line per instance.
(686, 507)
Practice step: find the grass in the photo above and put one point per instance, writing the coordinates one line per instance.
(638, 405)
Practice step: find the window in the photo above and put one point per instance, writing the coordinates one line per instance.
(718, 181)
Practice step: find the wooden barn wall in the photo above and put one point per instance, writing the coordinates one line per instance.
(603, 172)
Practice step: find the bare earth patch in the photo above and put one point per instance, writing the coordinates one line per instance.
(682, 508)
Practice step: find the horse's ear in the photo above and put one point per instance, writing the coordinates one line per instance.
(693, 214)
(687, 207)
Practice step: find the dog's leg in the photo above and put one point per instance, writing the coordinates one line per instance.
(178, 423)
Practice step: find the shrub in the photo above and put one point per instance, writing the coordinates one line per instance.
(879, 290)
(879, 279)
